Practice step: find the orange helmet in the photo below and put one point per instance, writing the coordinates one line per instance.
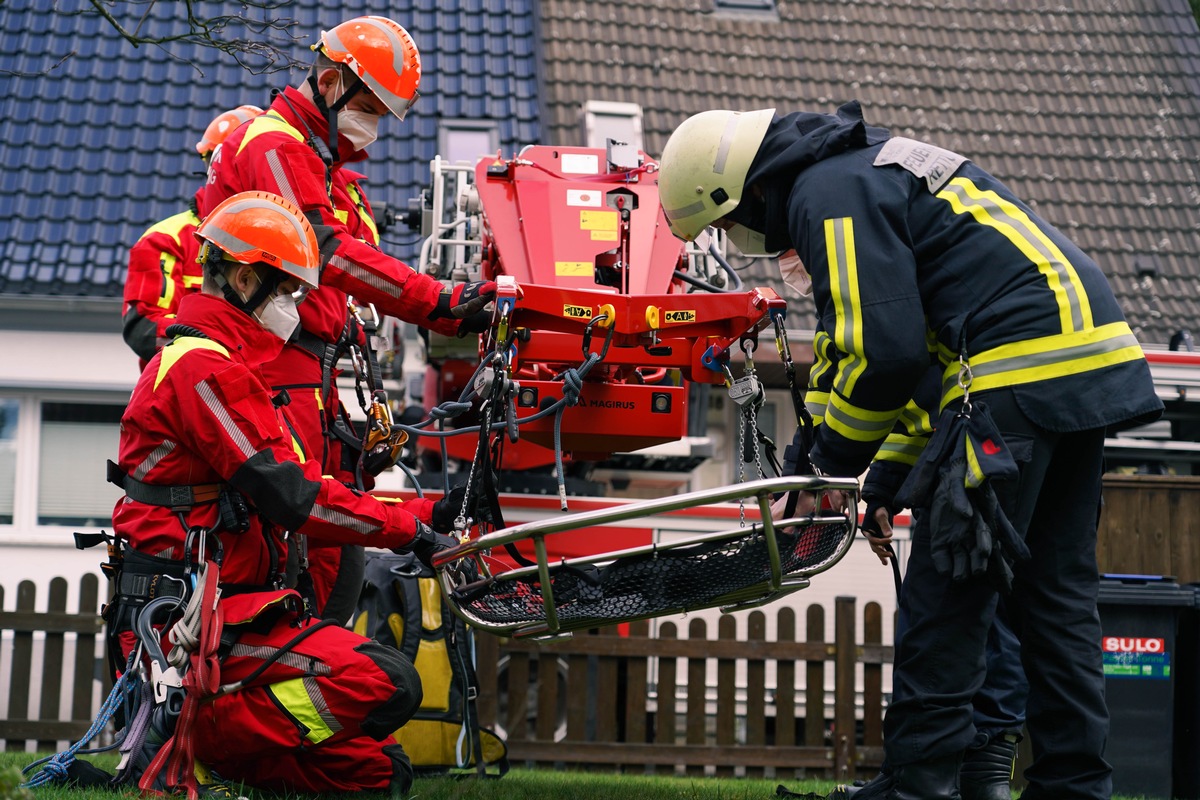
(258, 226)
(222, 125)
(382, 54)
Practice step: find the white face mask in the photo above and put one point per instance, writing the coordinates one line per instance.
(748, 242)
(359, 127)
(280, 316)
(792, 270)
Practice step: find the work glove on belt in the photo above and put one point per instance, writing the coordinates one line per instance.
(467, 303)
(970, 535)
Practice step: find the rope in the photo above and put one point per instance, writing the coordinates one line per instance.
(55, 768)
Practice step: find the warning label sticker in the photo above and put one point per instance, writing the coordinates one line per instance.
(572, 269)
(585, 197)
(598, 220)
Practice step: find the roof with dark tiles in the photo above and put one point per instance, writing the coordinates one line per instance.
(1088, 109)
(96, 149)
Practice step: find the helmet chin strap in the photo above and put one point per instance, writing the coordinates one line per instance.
(330, 112)
(215, 263)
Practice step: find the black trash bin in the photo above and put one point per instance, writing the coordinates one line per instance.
(1139, 619)
(1187, 702)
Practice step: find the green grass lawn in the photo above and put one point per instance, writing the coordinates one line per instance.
(519, 784)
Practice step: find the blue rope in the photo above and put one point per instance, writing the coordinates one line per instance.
(54, 769)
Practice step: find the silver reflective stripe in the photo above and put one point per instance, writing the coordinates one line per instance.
(370, 279)
(725, 143)
(1034, 238)
(294, 660)
(318, 701)
(281, 180)
(877, 429)
(222, 414)
(343, 520)
(152, 460)
(685, 212)
(1049, 358)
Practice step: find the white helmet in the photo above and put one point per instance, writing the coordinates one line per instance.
(702, 172)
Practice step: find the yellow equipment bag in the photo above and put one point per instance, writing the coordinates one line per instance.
(401, 605)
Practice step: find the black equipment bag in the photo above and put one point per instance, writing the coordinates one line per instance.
(402, 606)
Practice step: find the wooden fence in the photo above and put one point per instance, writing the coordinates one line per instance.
(616, 715)
(45, 723)
(1149, 525)
(618, 699)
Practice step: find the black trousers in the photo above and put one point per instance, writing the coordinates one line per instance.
(940, 660)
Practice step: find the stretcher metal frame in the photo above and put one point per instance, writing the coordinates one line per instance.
(548, 625)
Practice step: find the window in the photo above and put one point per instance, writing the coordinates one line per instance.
(754, 6)
(621, 122)
(9, 414)
(76, 441)
(467, 140)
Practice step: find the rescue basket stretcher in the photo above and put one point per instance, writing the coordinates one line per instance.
(742, 567)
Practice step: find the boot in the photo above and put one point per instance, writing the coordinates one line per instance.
(986, 772)
(876, 788)
(936, 779)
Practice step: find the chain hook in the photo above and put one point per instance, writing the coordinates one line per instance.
(965, 378)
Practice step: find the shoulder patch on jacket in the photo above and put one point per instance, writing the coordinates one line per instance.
(935, 165)
(268, 123)
(178, 348)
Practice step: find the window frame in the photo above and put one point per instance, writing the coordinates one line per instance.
(25, 528)
(448, 127)
(607, 108)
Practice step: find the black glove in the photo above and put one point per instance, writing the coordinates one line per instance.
(870, 526)
(467, 302)
(952, 523)
(427, 544)
(446, 510)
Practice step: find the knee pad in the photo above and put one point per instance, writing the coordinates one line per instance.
(386, 718)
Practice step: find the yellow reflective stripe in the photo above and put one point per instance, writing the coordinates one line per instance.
(298, 449)
(859, 424)
(178, 348)
(992, 210)
(357, 197)
(901, 449)
(822, 363)
(343, 216)
(816, 403)
(974, 476)
(843, 283)
(320, 402)
(302, 699)
(173, 225)
(166, 263)
(1045, 358)
(269, 122)
(915, 420)
(192, 281)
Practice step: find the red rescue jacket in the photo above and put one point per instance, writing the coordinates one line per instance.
(201, 414)
(162, 269)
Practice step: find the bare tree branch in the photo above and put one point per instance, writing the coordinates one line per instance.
(258, 45)
(39, 74)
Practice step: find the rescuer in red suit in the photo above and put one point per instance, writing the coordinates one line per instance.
(209, 463)
(162, 263)
(301, 149)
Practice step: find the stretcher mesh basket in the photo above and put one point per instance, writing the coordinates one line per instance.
(665, 581)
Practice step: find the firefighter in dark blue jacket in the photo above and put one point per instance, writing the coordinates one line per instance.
(914, 251)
